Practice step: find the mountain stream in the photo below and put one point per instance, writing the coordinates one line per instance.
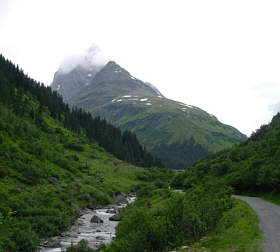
(95, 234)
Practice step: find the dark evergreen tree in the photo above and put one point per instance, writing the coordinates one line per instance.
(16, 90)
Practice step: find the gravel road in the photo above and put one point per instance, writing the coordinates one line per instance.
(269, 215)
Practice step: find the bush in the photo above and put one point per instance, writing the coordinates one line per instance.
(23, 238)
(82, 246)
(179, 218)
(74, 146)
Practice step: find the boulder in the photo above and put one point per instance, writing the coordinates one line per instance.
(96, 219)
(121, 199)
(53, 180)
(116, 217)
(111, 211)
(77, 180)
(21, 187)
(100, 238)
(52, 242)
(90, 207)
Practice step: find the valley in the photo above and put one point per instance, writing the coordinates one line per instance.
(59, 163)
(139, 126)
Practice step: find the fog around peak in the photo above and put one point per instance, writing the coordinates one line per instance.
(90, 58)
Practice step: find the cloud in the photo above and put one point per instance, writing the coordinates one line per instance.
(269, 94)
(269, 90)
(5, 5)
(275, 108)
(90, 58)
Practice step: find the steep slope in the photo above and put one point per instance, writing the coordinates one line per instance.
(51, 166)
(250, 166)
(177, 133)
(73, 81)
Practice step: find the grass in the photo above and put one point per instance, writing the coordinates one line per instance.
(238, 231)
(271, 197)
(47, 175)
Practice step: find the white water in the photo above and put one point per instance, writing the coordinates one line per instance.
(95, 233)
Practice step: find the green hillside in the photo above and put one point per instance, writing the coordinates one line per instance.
(177, 133)
(251, 166)
(52, 164)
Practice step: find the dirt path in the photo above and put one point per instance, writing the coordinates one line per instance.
(269, 215)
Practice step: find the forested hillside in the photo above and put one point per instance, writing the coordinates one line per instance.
(52, 163)
(251, 166)
(18, 91)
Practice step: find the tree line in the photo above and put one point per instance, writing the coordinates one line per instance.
(17, 91)
(251, 166)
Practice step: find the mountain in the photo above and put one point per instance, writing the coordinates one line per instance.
(251, 166)
(74, 81)
(55, 161)
(177, 133)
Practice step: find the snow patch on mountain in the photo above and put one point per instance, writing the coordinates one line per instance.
(186, 105)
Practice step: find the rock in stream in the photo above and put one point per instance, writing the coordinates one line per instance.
(84, 229)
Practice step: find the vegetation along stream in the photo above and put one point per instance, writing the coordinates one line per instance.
(97, 227)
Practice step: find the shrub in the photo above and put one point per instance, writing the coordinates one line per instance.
(82, 246)
(182, 216)
(74, 146)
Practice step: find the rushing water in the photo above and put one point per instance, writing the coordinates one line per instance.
(94, 233)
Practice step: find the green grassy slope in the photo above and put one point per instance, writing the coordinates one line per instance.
(47, 174)
(51, 163)
(165, 123)
(237, 230)
(252, 166)
(162, 125)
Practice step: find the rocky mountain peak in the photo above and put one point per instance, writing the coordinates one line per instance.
(178, 133)
(111, 80)
(112, 71)
(68, 84)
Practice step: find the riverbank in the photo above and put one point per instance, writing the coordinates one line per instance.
(96, 226)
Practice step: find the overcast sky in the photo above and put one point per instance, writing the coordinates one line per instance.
(222, 56)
